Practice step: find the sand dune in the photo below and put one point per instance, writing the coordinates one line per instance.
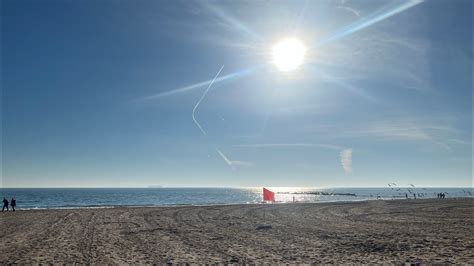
(425, 231)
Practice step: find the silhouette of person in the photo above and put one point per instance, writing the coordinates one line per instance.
(406, 195)
(13, 204)
(5, 204)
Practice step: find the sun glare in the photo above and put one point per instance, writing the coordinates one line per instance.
(288, 54)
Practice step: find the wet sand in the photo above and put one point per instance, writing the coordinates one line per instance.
(396, 231)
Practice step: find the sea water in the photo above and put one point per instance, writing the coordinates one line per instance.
(41, 198)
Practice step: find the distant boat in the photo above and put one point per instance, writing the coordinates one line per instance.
(155, 186)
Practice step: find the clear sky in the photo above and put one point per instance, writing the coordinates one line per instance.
(102, 93)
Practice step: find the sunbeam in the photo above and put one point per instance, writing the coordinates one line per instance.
(364, 22)
(194, 86)
(221, 14)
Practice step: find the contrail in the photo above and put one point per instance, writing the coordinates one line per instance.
(223, 156)
(228, 162)
(200, 100)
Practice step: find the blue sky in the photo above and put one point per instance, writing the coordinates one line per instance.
(101, 93)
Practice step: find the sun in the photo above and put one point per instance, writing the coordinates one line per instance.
(288, 54)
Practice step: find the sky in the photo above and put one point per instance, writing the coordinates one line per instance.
(116, 93)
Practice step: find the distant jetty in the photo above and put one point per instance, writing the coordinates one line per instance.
(320, 193)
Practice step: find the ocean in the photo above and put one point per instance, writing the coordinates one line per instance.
(53, 198)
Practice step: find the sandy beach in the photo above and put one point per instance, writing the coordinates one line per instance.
(415, 231)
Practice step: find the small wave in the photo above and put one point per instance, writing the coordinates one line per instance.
(65, 208)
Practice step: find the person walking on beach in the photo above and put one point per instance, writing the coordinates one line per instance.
(5, 204)
(13, 204)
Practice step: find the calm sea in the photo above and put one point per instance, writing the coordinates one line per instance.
(39, 198)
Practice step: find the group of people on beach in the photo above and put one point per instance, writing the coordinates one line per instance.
(441, 195)
(5, 204)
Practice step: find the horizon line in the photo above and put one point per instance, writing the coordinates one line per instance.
(314, 187)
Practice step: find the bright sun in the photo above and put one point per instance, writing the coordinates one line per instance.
(288, 54)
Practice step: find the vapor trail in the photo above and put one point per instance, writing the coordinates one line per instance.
(223, 156)
(202, 98)
(227, 161)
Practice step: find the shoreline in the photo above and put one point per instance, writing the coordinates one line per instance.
(226, 204)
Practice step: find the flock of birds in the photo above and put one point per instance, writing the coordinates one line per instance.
(411, 190)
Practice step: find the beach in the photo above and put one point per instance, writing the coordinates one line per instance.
(391, 231)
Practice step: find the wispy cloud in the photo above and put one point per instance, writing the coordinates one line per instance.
(404, 130)
(226, 19)
(301, 109)
(289, 145)
(369, 53)
(439, 131)
(410, 130)
(346, 160)
(352, 89)
(349, 9)
(434, 131)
